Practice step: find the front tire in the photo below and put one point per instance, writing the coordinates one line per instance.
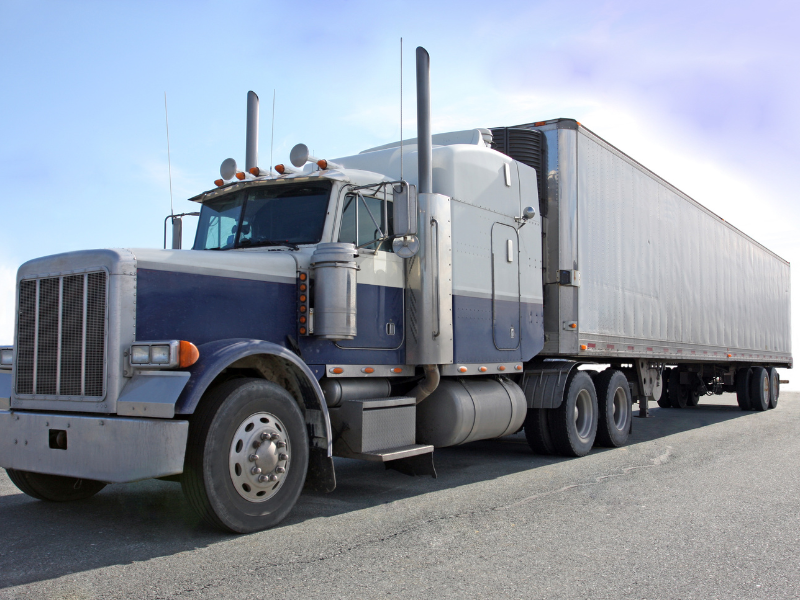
(247, 456)
(573, 425)
(615, 408)
(54, 488)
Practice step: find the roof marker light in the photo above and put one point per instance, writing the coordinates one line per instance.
(219, 182)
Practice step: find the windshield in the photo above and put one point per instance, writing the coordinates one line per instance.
(284, 214)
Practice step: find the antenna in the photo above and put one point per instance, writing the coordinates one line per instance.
(169, 159)
(272, 139)
(401, 109)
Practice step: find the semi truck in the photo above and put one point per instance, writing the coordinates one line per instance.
(423, 294)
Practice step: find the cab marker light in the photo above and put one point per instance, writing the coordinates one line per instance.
(368, 370)
(337, 370)
(462, 369)
(482, 369)
(397, 370)
(501, 368)
(518, 367)
(219, 182)
(326, 164)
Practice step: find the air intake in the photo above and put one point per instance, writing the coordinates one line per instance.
(528, 147)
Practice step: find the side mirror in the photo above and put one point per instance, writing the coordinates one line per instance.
(404, 208)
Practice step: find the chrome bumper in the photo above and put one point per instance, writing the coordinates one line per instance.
(110, 449)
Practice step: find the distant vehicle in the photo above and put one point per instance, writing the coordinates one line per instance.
(417, 295)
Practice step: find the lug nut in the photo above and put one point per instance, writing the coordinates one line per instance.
(253, 457)
(280, 470)
(283, 456)
(280, 444)
(255, 470)
(275, 436)
(265, 436)
(256, 444)
(262, 478)
(273, 478)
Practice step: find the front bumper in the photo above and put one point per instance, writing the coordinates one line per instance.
(110, 449)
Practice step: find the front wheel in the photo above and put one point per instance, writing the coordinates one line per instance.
(54, 488)
(247, 456)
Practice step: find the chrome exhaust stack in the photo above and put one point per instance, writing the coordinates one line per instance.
(424, 140)
(429, 303)
(251, 145)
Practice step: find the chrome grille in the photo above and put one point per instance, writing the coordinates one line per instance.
(61, 336)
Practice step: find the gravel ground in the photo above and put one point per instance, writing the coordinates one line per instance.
(702, 504)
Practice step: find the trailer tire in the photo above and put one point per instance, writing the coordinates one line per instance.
(693, 398)
(537, 431)
(759, 389)
(54, 488)
(221, 480)
(678, 394)
(774, 386)
(614, 408)
(573, 425)
(664, 401)
(743, 388)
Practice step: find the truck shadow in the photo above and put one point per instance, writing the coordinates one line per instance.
(135, 522)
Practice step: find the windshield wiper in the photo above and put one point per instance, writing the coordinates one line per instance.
(256, 244)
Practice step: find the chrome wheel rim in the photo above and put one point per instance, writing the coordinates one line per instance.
(765, 391)
(584, 414)
(620, 408)
(259, 457)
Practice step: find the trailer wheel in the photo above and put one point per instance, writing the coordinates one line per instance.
(537, 431)
(678, 394)
(743, 388)
(774, 386)
(247, 456)
(664, 401)
(573, 425)
(54, 488)
(615, 409)
(759, 389)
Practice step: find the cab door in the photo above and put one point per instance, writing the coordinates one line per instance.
(380, 279)
(505, 287)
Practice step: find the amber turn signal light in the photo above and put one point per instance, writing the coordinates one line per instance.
(188, 354)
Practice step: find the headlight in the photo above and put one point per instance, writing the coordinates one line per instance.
(6, 357)
(140, 355)
(163, 354)
(159, 355)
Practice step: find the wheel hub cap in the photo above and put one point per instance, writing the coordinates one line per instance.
(259, 457)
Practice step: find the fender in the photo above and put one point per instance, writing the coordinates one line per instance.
(218, 355)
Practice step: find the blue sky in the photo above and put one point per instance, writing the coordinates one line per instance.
(704, 93)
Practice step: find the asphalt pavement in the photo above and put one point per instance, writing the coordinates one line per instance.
(703, 503)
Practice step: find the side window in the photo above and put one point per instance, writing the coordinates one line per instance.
(359, 218)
